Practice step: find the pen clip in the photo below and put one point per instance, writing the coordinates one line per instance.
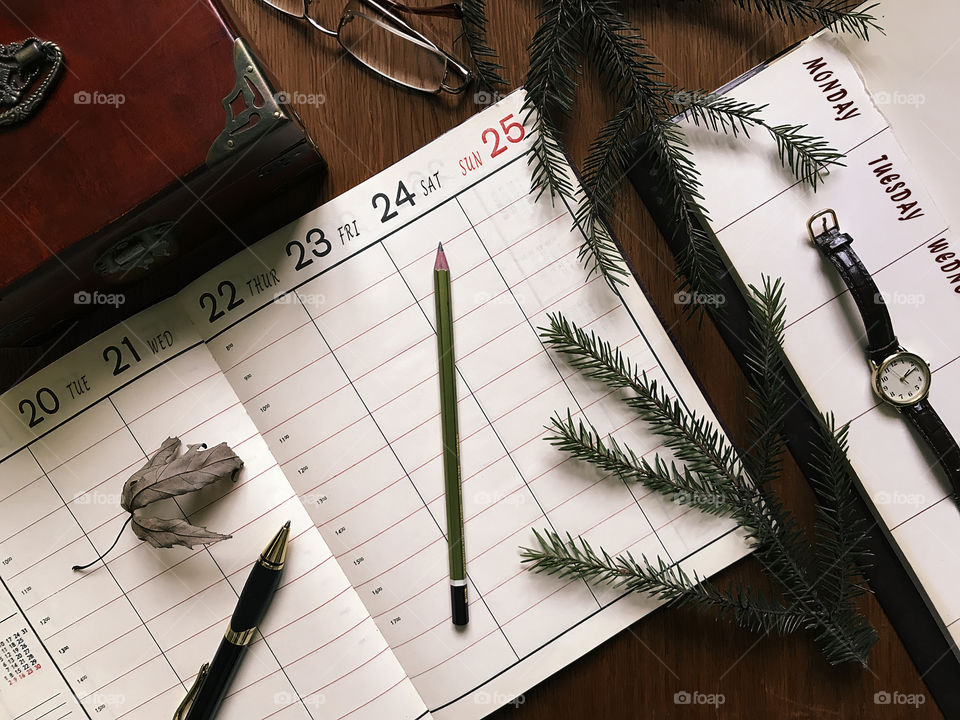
(184, 709)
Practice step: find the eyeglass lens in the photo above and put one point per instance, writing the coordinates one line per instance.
(376, 41)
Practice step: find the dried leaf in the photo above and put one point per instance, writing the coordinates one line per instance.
(167, 452)
(196, 468)
(165, 475)
(164, 533)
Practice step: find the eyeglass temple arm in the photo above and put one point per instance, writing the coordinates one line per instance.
(449, 10)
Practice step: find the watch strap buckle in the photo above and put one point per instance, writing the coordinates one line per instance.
(828, 238)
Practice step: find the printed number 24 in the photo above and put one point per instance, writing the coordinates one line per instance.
(513, 131)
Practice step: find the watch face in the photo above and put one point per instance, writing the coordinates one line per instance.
(902, 379)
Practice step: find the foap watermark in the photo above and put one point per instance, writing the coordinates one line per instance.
(899, 498)
(699, 499)
(512, 499)
(98, 498)
(885, 697)
(684, 697)
(689, 97)
(311, 701)
(85, 297)
(686, 297)
(95, 97)
(497, 699)
(899, 98)
(502, 298)
(307, 299)
(486, 97)
(285, 97)
(895, 297)
(98, 699)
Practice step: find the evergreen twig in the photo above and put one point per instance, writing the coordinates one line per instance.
(837, 15)
(485, 60)
(571, 30)
(815, 586)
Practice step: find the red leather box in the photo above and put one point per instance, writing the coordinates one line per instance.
(160, 149)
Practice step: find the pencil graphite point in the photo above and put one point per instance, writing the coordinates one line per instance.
(441, 263)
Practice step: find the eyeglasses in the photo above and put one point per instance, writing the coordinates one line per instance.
(375, 33)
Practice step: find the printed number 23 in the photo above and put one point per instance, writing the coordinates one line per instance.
(513, 131)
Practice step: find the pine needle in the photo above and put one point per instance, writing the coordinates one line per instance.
(815, 586)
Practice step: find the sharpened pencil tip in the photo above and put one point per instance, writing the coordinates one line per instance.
(441, 262)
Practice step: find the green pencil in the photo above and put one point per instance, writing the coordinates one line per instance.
(451, 439)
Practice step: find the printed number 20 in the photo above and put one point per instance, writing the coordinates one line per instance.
(513, 131)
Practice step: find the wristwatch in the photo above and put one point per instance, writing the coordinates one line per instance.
(900, 378)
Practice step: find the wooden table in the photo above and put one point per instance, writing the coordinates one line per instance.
(365, 125)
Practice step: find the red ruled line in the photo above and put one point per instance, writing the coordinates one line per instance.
(474, 558)
(506, 622)
(122, 428)
(426, 337)
(417, 259)
(478, 348)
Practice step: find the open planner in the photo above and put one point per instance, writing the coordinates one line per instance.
(759, 218)
(313, 354)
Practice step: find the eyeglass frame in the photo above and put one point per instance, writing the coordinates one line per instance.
(388, 8)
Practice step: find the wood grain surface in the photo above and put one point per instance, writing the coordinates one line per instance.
(365, 125)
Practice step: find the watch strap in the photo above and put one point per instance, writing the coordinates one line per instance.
(938, 437)
(881, 339)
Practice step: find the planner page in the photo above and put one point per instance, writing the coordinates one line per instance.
(326, 331)
(759, 215)
(126, 637)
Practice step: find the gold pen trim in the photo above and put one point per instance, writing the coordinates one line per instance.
(239, 637)
(275, 554)
(184, 708)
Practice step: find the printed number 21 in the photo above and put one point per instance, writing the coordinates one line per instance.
(513, 131)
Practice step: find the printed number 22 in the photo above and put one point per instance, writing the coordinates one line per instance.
(513, 131)
(226, 290)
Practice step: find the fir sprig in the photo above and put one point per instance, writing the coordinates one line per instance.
(808, 157)
(569, 32)
(837, 15)
(551, 88)
(474, 23)
(814, 586)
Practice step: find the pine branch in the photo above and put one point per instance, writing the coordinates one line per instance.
(766, 372)
(678, 484)
(808, 157)
(842, 555)
(671, 163)
(555, 65)
(712, 477)
(833, 14)
(632, 74)
(573, 560)
(485, 58)
(691, 438)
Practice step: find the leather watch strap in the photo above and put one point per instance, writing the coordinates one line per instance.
(881, 339)
(938, 437)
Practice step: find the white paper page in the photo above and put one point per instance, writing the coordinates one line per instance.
(125, 638)
(336, 363)
(759, 214)
(913, 72)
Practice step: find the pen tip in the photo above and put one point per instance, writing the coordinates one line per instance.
(441, 262)
(274, 555)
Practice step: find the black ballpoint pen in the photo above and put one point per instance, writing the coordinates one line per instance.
(204, 697)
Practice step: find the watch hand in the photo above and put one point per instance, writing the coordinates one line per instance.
(907, 373)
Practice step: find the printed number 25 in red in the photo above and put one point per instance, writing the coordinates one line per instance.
(513, 131)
